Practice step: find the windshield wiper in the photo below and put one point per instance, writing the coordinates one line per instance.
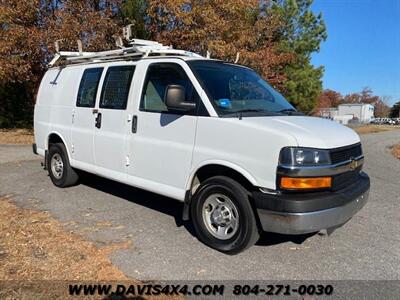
(241, 111)
(289, 111)
(248, 110)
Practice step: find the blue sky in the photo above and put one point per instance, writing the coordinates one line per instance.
(363, 46)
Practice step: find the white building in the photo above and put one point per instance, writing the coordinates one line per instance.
(358, 112)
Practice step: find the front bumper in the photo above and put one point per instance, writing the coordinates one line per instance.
(311, 212)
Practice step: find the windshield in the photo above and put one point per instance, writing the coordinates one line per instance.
(234, 89)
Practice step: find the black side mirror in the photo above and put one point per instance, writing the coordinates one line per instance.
(174, 98)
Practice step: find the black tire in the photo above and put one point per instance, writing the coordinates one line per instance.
(247, 232)
(68, 175)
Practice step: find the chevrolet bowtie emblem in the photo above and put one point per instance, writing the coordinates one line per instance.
(353, 164)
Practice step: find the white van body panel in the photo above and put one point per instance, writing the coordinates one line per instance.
(82, 130)
(223, 163)
(310, 131)
(243, 143)
(165, 140)
(53, 110)
(165, 153)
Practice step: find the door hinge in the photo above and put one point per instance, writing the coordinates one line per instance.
(72, 148)
(73, 116)
(127, 161)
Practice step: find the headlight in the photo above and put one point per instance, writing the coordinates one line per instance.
(296, 156)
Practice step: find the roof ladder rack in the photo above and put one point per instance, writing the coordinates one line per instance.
(137, 48)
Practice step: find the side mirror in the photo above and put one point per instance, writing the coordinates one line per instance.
(174, 98)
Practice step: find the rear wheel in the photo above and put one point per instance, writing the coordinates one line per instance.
(60, 171)
(222, 215)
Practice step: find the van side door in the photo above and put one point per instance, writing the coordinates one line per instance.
(82, 132)
(161, 141)
(111, 123)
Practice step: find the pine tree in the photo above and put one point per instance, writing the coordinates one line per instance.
(301, 34)
(395, 110)
(134, 12)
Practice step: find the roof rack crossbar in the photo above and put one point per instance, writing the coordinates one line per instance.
(137, 48)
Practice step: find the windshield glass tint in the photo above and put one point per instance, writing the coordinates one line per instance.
(232, 88)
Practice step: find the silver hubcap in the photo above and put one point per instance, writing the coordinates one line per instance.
(220, 216)
(57, 166)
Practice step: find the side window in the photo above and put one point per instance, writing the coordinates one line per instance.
(159, 76)
(116, 87)
(88, 87)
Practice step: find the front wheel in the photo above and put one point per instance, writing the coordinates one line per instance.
(222, 215)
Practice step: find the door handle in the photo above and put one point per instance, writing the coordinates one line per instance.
(134, 124)
(98, 120)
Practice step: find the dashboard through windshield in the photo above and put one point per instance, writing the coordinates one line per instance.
(234, 89)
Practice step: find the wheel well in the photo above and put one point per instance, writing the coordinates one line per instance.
(210, 171)
(218, 170)
(53, 139)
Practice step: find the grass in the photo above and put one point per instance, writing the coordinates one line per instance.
(35, 246)
(372, 128)
(39, 258)
(16, 136)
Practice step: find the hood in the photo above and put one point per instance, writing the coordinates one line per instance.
(307, 131)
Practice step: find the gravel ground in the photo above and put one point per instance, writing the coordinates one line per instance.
(367, 247)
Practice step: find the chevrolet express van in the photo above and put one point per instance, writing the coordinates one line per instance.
(211, 134)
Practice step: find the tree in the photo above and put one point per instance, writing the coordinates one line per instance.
(301, 34)
(382, 110)
(275, 37)
(330, 98)
(327, 99)
(28, 30)
(365, 96)
(135, 12)
(395, 110)
(224, 28)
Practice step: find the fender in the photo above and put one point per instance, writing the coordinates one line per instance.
(188, 194)
(62, 139)
(224, 163)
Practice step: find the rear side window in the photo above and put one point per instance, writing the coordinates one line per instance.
(88, 87)
(116, 87)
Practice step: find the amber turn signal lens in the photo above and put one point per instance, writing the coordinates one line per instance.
(306, 183)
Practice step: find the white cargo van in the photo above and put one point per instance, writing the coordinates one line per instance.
(212, 134)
